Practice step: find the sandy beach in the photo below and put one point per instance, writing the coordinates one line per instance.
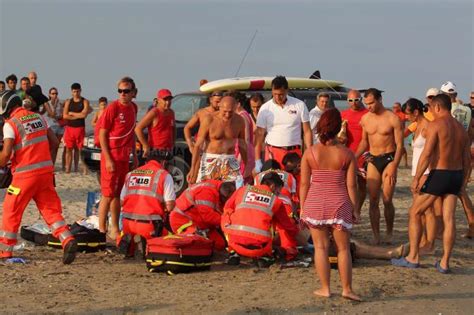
(105, 283)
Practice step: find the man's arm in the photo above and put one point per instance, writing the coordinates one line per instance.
(307, 135)
(169, 195)
(6, 153)
(104, 145)
(85, 111)
(66, 114)
(188, 137)
(259, 138)
(196, 154)
(398, 136)
(364, 142)
(243, 147)
(142, 124)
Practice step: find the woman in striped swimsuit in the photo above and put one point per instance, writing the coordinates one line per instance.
(328, 196)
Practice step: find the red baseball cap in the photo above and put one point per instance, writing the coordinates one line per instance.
(164, 93)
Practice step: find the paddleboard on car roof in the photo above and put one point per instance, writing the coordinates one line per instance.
(264, 83)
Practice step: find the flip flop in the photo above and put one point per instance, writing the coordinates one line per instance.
(402, 262)
(441, 269)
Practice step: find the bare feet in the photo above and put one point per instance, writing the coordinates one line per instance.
(397, 252)
(351, 296)
(322, 293)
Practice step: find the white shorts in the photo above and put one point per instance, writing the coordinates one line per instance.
(223, 167)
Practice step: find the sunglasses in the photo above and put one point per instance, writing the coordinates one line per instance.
(353, 100)
(53, 93)
(124, 91)
(217, 94)
(430, 97)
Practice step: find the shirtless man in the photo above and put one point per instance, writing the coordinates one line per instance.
(447, 154)
(382, 131)
(220, 130)
(197, 118)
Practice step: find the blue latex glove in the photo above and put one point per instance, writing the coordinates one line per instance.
(16, 260)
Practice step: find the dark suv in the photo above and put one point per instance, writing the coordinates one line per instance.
(184, 106)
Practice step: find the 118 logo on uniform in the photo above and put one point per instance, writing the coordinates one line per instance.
(139, 181)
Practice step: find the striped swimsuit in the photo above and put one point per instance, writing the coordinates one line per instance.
(328, 202)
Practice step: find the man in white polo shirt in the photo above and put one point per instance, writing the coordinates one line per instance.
(281, 117)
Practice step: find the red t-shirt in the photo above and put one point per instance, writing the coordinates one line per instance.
(161, 136)
(120, 121)
(402, 116)
(354, 129)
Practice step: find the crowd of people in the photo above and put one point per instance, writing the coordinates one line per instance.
(253, 190)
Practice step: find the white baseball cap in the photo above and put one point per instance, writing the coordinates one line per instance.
(448, 87)
(432, 92)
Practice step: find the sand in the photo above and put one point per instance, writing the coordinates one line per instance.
(105, 283)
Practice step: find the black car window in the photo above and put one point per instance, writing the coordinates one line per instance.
(185, 105)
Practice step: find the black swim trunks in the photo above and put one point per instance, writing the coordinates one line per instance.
(443, 182)
(381, 161)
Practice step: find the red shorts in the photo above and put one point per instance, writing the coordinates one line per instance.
(278, 154)
(74, 137)
(111, 183)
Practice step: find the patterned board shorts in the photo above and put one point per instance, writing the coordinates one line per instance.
(223, 167)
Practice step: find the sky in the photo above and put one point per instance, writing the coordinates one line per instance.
(402, 47)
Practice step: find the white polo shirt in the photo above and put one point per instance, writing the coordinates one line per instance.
(283, 124)
(314, 116)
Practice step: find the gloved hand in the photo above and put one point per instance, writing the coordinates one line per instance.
(258, 166)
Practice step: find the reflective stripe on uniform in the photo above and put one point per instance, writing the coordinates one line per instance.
(237, 227)
(267, 210)
(34, 166)
(144, 217)
(198, 185)
(64, 235)
(9, 235)
(6, 248)
(203, 202)
(26, 143)
(19, 127)
(56, 225)
(184, 227)
(145, 192)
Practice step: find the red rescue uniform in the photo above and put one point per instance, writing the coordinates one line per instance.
(278, 153)
(198, 208)
(249, 219)
(143, 205)
(33, 178)
(161, 136)
(119, 120)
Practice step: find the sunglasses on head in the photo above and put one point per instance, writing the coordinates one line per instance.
(124, 91)
(353, 100)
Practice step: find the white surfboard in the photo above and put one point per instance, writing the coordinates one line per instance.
(265, 83)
